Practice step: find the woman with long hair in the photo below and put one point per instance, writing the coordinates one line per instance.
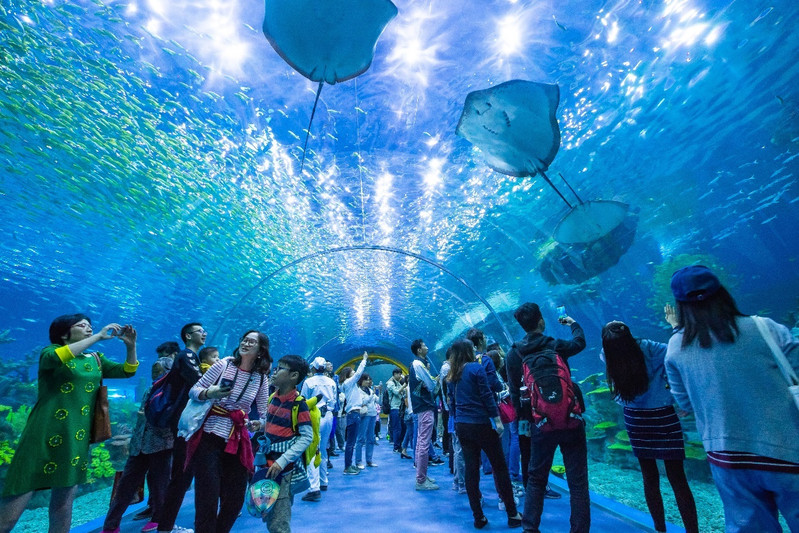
(478, 427)
(721, 365)
(53, 451)
(354, 400)
(221, 449)
(637, 380)
(366, 428)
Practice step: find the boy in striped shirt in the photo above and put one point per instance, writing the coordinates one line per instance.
(287, 444)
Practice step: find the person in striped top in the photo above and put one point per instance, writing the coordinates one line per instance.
(637, 380)
(286, 443)
(720, 367)
(220, 452)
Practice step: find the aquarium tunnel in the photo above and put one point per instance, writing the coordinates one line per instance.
(352, 175)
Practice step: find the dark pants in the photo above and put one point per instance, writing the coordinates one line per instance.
(179, 483)
(221, 483)
(575, 459)
(446, 440)
(331, 443)
(156, 467)
(524, 452)
(353, 423)
(395, 425)
(473, 439)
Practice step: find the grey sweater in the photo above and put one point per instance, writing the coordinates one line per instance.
(737, 392)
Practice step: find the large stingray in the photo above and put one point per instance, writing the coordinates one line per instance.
(515, 126)
(326, 40)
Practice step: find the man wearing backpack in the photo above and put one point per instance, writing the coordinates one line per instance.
(541, 361)
(185, 373)
(320, 384)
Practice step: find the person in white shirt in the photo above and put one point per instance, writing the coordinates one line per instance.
(354, 401)
(320, 384)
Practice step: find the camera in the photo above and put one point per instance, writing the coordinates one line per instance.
(226, 383)
(562, 312)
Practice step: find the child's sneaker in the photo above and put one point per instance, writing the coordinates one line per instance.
(150, 526)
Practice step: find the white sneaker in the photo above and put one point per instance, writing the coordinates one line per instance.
(361, 467)
(502, 504)
(178, 529)
(427, 485)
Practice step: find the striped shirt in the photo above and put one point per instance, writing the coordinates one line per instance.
(248, 387)
(278, 417)
(750, 461)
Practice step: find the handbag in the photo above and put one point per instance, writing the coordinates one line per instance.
(782, 361)
(196, 411)
(506, 411)
(101, 423)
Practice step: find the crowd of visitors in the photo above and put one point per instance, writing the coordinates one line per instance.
(232, 421)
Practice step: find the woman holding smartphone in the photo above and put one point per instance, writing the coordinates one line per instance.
(222, 447)
(53, 451)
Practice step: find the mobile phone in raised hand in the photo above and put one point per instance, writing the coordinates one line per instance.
(562, 312)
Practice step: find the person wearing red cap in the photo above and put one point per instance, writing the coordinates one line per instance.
(721, 367)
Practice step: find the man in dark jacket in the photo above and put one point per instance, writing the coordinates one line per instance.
(544, 443)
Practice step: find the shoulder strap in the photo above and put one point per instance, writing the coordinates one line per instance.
(782, 361)
(295, 412)
(100, 365)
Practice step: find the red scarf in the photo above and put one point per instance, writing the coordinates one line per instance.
(238, 442)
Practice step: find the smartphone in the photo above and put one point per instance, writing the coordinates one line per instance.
(226, 383)
(562, 312)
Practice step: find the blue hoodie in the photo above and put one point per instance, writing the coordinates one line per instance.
(471, 396)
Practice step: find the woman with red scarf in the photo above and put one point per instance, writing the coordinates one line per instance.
(221, 449)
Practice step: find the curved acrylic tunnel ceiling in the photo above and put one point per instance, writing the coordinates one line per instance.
(363, 298)
(149, 172)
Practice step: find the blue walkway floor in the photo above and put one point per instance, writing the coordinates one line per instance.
(383, 499)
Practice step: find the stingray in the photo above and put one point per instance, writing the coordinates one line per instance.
(327, 41)
(515, 126)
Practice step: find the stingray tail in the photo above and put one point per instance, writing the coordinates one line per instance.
(308, 131)
(570, 188)
(543, 175)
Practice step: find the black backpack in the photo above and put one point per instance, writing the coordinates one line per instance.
(385, 406)
(163, 408)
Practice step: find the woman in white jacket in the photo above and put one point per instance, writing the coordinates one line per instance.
(366, 429)
(352, 406)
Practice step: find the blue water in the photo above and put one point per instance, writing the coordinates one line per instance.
(150, 171)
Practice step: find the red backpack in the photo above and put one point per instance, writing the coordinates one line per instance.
(555, 399)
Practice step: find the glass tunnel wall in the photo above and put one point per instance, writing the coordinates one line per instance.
(151, 175)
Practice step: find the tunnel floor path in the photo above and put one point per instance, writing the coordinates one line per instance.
(383, 500)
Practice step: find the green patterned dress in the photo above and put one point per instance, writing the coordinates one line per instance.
(53, 450)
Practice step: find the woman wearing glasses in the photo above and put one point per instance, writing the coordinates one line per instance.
(221, 450)
(53, 451)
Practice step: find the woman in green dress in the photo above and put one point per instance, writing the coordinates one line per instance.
(53, 451)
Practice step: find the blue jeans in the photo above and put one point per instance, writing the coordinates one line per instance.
(751, 499)
(510, 448)
(575, 458)
(395, 424)
(366, 439)
(353, 423)
(409, 442)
